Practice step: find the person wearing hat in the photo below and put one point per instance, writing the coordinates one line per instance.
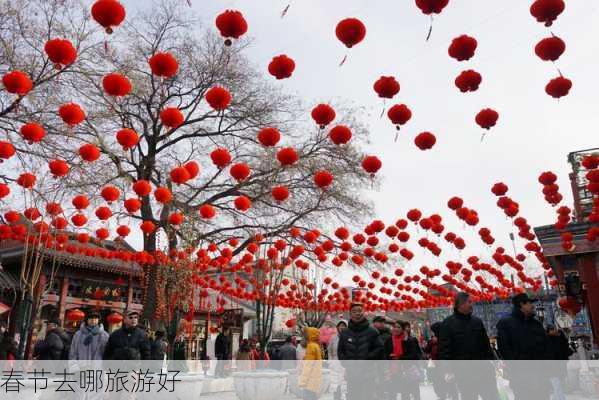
(56, 343)
(359, 342)
(520, 336)
(129, 342)
(89, 341)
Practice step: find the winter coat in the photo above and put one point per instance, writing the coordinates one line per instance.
(311, 374)
(221, 347)
(158, 349)
(246, 361)
(88, 344)
(464, 337)
(432, 348)
(411, 349)
(359, 341)
(8, 348)
(384, 336)
(287, 355)
(54, 346)
(127, 344)
(332, 347)
(560, 352)
(520, 338)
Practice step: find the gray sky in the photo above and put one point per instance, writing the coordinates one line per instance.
(534, 133)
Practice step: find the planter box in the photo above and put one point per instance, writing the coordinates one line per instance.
(260, 385)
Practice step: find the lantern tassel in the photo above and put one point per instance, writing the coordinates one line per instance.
(383, 111)
(343, 60)
(397, 134)
(189, 3)
(482, 137)
(285, 10)
(430, 29)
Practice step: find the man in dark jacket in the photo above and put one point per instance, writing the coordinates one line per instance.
(464, 337)
(128, 342)
(287, 354)
(56, 344)
(521, 336)
(359, 341)
(221, 351)
(158, 349)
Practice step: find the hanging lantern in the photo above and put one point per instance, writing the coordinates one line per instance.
(240, 171)
(425, 140)
(163, 195)
(89, 152)
(231, 25)
(110, 193)
(179, 175)
(123, 231)
(108, 13)
(147, 227)
(399, 114)
(58, 168)
(468, 81)
(547, 11)
(269, 137)
(176, 219)
(550, 49)
(386, 87)
(371, 164)
(281, 67)
(127, 138)
(26, 180)
(142, 188)
(7, 150)
(17, 82)
(462, 48)
(103, 213)
(71, 114)
(323, 179)
(32, 132)
(132, 205)
(171, 117)
(287, 156)
(323, 114)
(242, 203)
(280, 193)
(207, 211)
(350, 31)
(4, 190)
(558, 87)
(430, 7)
(117, 85)
(75, 315)
(114, 318)
(218, 98)
(487, 118)
(193, 168)
(164, 65)
(220, 157)
(340, 134)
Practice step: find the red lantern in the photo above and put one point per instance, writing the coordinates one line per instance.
(550, 49)
(487, 118)
(123, 231)
(179, 175)
(26, 180)
(163, 65)
(114, 318)
(231, 25)
(71, 114)
(242, 203)
(371, 164)
(340, 134)
(117, 85)
(280, 193)
(462, 48)
(269, 137)
(147, 227)
(399, 114)
(75, 315)
(323, 179)
(176, 218)
(499, 189)
(192, 168)
(281, 67)
(414, 215)
(142, 188)
(80, 202)
(61, 52)
(220, 157)
(7, 150)
(547, 11)
(171, 117)
(207, 211)
(108, 13)
(17, 82)
(79, 220)
(127, 138)
(468, 81)
(218, 98)
(287, 156)
(110, 193)
(240, 171)
(350, 31)
(103, 213)
(429, 7)
(323, 114)
(132, 205)
(558, 87)
(89, 152)
(163, 195)
(4, 190)
(386, 87)
(58, 168)
(425, 140)
(32, 132)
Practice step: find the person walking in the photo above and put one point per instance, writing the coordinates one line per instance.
(8, 347)
(464, 340)
(88, 343)
(560, 352)
(310, 377)
(412, 371)
(287, 354)
(337, 371)
(221, 351)
(520, 336)
(180, 353)
(394, 351)
(55, 345)
(245, 360)
(158, 349)
(379, 323)
(128, 342)
(444, 390)
(358, 343)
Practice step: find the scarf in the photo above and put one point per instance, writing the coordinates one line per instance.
(397, 347)
(90, 332)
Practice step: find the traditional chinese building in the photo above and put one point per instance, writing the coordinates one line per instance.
(576, 266)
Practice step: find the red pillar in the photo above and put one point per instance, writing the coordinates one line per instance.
(64, 290)
(588, 274)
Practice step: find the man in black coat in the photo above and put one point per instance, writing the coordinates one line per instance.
(520, 336)
(287, 354)
(464, 337)
(128, 342)
(158, 349)
(221, 351)
(56, 344)
(357, 344)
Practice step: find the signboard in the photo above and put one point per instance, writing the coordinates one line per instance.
(99, 290)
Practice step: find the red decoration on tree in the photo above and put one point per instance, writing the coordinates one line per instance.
(193, 168)
(558, 87)
(80, 202)
(79, 220)
(462, 48)
(371, 164)
(163, 195)
(220, 157)
(171, 117)
(164, 65)
(287, 156)
(103, 213)
(323, 114)
(17, 82)
(340, 134)
(176, 218)
(240, 171)
(386, 87)
(280, 193)
(123, 231)
(207, 211)
(179, 175)
(147, 227)
(117, 85)
(4, 190)
(281, 67)
(89, 152)
(350, 31)
(499, 189)
(102, 233)
(132, 205)
(487, 118)
(323, 179)
(58, 168)
(547, 11)
(231, 25)
(71, 114)
(108, 13)
(61, 52)
(243, 203)
(425, 140)
(127, 138)
(550, 49)
(269, 137)
(32, 132)
(218, 98)
(7, 150)
(142, 188)
(26, 180)
(110, 193)
(468, 81)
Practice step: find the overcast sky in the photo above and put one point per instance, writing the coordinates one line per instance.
(535, 132)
